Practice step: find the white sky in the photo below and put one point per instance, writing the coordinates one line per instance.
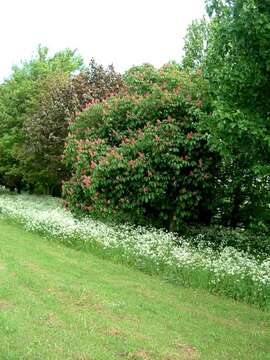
(122, 32)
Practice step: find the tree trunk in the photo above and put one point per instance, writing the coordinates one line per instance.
(236, 202)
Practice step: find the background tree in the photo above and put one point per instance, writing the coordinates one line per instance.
(97, 82)
(238, 68)
(236, 65)
(37, 102)
(45, 131)
(195, 47)
(19, 100)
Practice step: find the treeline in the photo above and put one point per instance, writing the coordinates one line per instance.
(35, 105)
(187, 144)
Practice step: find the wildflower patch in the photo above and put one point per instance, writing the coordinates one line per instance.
(228, 271)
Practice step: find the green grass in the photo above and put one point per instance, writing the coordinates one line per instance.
(59, 303)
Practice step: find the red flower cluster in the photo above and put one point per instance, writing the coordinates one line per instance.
(132, 163)
(93, 165)
(87, 181)
(115, 154)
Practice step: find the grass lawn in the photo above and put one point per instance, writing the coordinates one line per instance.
(59, 303)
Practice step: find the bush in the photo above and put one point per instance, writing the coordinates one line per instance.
(140, 155)
(219, 237)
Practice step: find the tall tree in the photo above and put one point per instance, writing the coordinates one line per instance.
(237, 65)
(45, 131)
(195, 44)
(20, 95)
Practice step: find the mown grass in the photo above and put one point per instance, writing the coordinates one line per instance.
(59, 303)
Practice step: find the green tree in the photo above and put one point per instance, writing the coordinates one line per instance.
(237, 65)
(20, 96)
(195, 47)
(60, 97)
(45, 131)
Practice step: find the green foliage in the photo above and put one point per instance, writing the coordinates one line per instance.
(238, 53)
(35, 105)
(219, 237)
(45, 131)
(141, 79)
(237, 67)
(195, 44)
(140, 153)
(168, 146)
(236, 64)
(19, 100)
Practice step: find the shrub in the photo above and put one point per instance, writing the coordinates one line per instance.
(219, 237)
(140, 155)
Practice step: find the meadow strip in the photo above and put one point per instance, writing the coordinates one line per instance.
(230, 272)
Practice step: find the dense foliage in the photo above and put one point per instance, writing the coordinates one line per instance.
(188, 144)
(196, 41)
(20, 100)
(237, 66)
(36, 103)
(45, 131)
(231, 50)
(140, 153)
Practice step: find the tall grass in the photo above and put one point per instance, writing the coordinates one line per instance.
(228, 271)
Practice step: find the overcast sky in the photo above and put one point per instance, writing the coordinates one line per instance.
(122, 32)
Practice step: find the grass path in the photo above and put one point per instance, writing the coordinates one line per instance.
(58, 303)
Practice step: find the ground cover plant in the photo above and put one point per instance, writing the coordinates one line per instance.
(228, 271)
